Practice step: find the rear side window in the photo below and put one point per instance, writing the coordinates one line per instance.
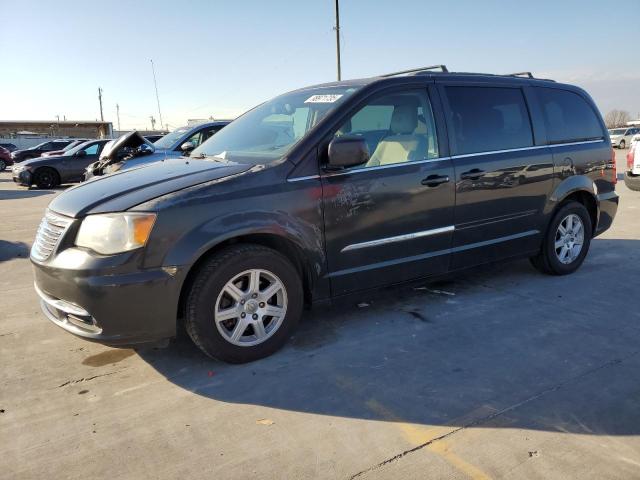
(568, 117)
(485, 119)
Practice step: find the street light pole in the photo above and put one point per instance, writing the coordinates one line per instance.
(100, 100)
(157, 96)
(337, 29)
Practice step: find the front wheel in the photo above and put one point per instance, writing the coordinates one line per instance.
(3, 165)
(46, 178)
(244, 303)
(566, 242)
(622, 144)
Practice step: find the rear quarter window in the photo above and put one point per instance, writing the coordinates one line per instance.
(568, 116)
(484, 119)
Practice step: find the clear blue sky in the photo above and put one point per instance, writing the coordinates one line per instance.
(222, 57)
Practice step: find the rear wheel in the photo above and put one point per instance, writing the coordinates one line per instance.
(46, 178)
(566, 242)
(244, 303)
(632, 181)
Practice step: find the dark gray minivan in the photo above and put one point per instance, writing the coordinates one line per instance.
(323, 192)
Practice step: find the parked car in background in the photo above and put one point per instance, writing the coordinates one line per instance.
(9, 146)
(632, 172)
(185, 139)
(33, 152)
(322, 192)
(49, 172)
(5, 159)
(73, 144)
(154, 138)
(621, 137)
(634, 140)
(118, 153)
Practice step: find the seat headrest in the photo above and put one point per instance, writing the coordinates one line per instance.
(345, 128)
(404, 119)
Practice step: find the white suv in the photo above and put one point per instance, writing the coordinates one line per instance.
(621, 137)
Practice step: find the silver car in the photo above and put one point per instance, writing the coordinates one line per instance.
(621, 137)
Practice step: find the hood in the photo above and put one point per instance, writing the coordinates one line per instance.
(123, 190)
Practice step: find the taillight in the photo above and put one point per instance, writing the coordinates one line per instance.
(614, 170)
(630, 159)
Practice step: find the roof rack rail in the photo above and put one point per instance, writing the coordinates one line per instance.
(520, 74)
(442, 68)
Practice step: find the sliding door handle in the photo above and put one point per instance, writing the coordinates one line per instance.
(435, 180)
(473, 174)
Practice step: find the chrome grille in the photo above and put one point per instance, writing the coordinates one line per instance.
(49, 232)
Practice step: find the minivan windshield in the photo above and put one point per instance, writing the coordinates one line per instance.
(617, 131)
(170, 138)
(271, 129)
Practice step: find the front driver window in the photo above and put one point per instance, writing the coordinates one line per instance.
(397, 128)
(92, 150)
(196, 139)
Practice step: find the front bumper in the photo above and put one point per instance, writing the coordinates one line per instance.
(95, 303)
(607, 209)
(23, 177)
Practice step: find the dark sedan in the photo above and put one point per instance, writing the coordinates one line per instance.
(75, 143)
(48, 172)
(33, 152)
(9, 146)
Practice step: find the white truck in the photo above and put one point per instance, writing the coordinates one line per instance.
(632, 172)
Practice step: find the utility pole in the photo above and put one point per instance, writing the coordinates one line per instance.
(157, 97)
(118, 115)
(337, 29)
(100, 100)
(153, 122)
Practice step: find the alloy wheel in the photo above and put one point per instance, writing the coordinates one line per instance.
(569, 238)
(251, 307)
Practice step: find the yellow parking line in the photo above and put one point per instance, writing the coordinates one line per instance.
(419, 435)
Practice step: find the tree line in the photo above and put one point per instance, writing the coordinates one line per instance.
(617, 118)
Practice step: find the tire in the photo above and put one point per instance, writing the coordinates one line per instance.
(46, 178)
(632, 181)
(622, 144)
(222, 336)
(549, 259)
(3, 165)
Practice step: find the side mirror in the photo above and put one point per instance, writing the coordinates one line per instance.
(348, 151)
(81, 153)
(187, 147)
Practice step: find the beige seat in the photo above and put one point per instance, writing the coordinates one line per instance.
(403, 144)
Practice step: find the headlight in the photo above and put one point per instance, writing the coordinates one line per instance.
(18, 168)
(111, 233)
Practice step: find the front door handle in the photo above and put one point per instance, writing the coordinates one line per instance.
(473, 174)
(435, 180)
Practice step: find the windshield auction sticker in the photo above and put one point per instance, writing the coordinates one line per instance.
(322, 98)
